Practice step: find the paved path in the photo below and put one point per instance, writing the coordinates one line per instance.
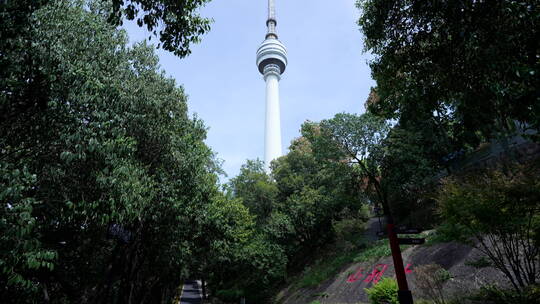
(372, 227)
(191, 293)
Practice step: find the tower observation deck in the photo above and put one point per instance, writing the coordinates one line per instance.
(271, 62)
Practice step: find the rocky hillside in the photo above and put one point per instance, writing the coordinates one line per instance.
(466, 267)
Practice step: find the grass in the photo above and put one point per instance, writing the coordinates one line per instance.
(324, 269)
(377, 250)
(328, 267)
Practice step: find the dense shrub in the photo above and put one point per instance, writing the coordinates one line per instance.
(383, 292)
(495, 295)
(447, 232)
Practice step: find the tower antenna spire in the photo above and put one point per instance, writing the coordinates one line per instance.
(271, 22)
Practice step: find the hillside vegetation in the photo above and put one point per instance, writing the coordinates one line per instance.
(109, 193)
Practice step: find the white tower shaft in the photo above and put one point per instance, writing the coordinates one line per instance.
(272, 137)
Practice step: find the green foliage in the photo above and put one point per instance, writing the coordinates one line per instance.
(357, 140)
(21, 252)
(177, 22)
(106, 183)
(443, 275)
(349, 229)
(496, 295)
(229, 295)
(500, 208)
(447, 233)
(227, 225)
(267, 259)
(425, 51)
(354, 136)
(377, 250)
(324, 269)
(255, 267)
(307, 202)
(383, 292)
(410, 160)
(312, 193)
(255, 188)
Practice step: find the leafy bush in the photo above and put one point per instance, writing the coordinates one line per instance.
(383, 292)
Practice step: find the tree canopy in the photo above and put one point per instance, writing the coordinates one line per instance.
(106, 180)
(356, 140)
(176, 23)
(469, 66)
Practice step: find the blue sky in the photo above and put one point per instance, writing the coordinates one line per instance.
(327, 71)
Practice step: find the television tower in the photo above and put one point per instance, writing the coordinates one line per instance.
(271, 61)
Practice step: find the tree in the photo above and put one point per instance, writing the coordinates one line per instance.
(22, 80)
(469, 65)
(313, 193)
(177, 24)
(255, 188)
(104, 174)
(357, 141)
(258, 261)
(306, 202)
(223, 230)
(409, 168)
(180, 23)
(500, 210)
